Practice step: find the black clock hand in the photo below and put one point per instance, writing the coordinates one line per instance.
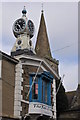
(19, 26)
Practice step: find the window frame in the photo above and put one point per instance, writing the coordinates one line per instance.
(33, 89)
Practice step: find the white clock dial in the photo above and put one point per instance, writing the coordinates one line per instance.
(30, 26)
(19, 26)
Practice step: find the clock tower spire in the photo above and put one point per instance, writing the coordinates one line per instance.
(23, 30)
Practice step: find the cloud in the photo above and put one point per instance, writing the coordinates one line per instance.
(1, 26)
(40, 1)
(70, 80)
(62, 27)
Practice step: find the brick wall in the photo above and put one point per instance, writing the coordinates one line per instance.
(27, 69)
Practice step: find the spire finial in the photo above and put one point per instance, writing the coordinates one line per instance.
(42, 8)
(24, 11)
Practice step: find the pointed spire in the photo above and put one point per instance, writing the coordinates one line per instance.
(42, 47)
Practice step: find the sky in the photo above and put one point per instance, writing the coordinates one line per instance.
(62, 27)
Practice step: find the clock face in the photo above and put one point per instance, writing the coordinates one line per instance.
(30, 27)
(19, 26)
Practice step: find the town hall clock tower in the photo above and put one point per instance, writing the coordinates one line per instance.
(23, 30)
(35, 73)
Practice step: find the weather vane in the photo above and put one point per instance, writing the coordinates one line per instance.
(42, 6)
